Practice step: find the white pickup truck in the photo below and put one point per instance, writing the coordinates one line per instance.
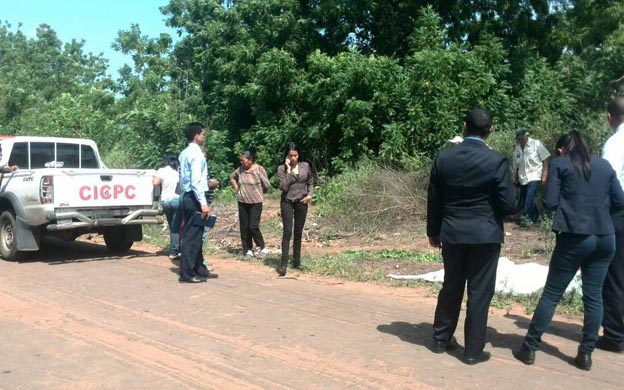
(60, 187)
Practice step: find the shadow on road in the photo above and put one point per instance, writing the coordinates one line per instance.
(421, 334)
(567, 330)
(55, 252)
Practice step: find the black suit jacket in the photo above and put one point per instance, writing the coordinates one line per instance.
(583, 206)
(470, 192)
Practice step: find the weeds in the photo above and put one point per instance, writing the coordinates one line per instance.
(373, 198)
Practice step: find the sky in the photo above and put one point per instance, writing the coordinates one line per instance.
(95, 21)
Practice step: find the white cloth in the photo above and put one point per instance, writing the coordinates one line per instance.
(613, 152)
(528, 161)
(169, 181)
(517, 279)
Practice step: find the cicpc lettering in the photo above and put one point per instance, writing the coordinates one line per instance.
(106, 192)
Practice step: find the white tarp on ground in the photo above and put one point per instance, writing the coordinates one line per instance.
(510, 277)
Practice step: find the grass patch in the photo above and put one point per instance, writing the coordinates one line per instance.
(571, 303)
(157, 236)
(364, 266)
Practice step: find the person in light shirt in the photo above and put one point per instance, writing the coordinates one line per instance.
(193, 186)
(530, 167)
(168, 178)
(613, 287)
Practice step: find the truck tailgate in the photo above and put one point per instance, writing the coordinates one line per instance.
(103, 188)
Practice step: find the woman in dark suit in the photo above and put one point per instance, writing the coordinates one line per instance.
(583, 189)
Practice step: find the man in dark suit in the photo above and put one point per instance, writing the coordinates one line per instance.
(470, 192)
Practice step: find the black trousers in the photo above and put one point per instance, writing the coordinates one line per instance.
(191, 258)
(249, 221)
(475, 264)
(290, 211)
(613, 289)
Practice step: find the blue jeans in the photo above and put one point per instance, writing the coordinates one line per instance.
(171, 208)
(592, 254)
(527, 200)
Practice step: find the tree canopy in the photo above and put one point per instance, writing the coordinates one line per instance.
(387, 80)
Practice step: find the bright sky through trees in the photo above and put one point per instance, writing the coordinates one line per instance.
(95, 21)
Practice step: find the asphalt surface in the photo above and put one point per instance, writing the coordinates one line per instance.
(73, 317)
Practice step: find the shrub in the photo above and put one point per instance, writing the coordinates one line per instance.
(373, 197)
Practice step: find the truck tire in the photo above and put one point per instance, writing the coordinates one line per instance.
(8, 237)
(117, 240)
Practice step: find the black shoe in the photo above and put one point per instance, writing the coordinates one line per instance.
(583, 361)
(606, 345)
(194, 279)
(281, 272)
(525, 355)
(210, 275)
(471, 361)
(440, 346)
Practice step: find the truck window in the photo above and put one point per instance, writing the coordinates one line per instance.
(88, 158)
(19, 155)
(40, 154)
(68, 155)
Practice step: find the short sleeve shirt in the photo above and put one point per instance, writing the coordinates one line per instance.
(528, 161)
(169, 178)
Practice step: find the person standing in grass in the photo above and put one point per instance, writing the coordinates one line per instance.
(530, 170)
(470, 192)
(583, 189)
(250, 182)
(297, 184)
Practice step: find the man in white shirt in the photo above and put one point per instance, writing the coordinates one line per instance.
(530, 166)
(613, 288)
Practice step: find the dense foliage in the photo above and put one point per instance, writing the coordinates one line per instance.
(385, 80)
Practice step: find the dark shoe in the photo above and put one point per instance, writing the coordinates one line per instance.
(440, 346)
(194, 279)
(281, 272)
(210, 275)
(583, 361)
(525, 355)
(484, 357)
(606, 345)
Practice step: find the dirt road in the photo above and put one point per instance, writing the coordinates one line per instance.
(82, 320)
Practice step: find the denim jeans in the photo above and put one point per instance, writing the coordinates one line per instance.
(592, 254)
(171, 208)
(526, 203)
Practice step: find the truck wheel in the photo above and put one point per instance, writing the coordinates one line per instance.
(8, 237)
(116, 240)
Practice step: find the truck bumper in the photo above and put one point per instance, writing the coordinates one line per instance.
(67, 220)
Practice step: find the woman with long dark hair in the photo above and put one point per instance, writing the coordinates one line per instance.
(297, 186)
(583, 189)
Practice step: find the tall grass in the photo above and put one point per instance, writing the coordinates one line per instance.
(373, 197)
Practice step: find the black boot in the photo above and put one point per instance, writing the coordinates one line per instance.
(525, 355)
(281, 269)
(583, 360)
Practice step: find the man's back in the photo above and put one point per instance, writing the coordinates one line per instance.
(470, 192)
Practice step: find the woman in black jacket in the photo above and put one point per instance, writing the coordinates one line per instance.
(583, 189)
(296, 182)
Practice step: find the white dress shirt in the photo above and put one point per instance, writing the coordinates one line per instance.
(613, 152)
